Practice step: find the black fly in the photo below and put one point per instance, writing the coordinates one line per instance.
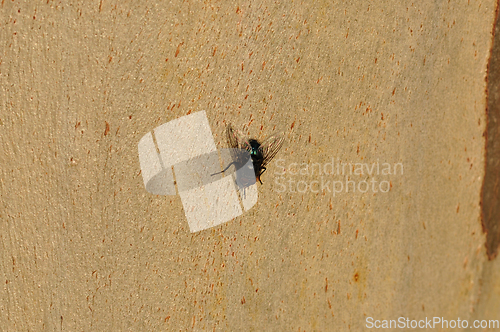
(261, 153)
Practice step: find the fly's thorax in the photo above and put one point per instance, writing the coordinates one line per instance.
(254, 148)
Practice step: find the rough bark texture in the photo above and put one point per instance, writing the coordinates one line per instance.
(86, 247)
(491, 186)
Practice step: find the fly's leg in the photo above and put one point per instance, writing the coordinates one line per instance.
(263, 170)
(224, 169)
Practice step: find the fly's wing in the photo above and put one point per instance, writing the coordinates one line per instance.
(236, 140)
(270, 147)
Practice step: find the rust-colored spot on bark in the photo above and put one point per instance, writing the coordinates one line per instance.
(106, 131)
(178, 50)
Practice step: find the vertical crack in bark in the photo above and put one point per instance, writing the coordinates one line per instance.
(490, 193)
